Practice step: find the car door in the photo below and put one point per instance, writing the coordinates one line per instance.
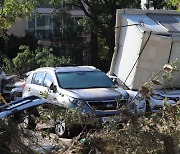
(51, 94)
(36, 85)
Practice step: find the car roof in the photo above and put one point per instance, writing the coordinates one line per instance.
(69, 69)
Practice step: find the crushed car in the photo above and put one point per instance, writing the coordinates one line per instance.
(12, 86)
(24, 110)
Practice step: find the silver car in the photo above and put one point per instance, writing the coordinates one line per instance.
(84, 86)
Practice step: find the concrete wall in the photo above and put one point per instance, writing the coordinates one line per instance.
(18, 28)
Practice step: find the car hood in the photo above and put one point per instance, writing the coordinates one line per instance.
(96, 93)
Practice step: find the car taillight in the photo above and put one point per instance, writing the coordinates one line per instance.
(23, 86)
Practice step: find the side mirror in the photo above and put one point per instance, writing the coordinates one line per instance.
(53, 88)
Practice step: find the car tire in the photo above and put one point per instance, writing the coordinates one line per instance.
(148, 108)
(29, 122)
(60, 127)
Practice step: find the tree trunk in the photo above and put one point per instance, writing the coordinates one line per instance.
(94, 49)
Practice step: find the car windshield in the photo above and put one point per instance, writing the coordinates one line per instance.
(83, 80)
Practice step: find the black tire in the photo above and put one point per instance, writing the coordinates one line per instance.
(29, 122)
(148, 108)
(60, 127)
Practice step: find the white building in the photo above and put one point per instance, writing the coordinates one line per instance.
(42, 26)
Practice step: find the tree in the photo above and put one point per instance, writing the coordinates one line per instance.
(67, 34)
(156, 4)
(102, 15)
(11, 10)
(28, 60)
(100, 18)
(175, 4)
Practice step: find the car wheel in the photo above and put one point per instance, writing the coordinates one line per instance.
(60, 127)
(29, 122)
(148, 108)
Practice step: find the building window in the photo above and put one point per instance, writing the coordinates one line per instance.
(44, 27)
(41, 27)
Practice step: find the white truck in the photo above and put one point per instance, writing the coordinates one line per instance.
(146, 40)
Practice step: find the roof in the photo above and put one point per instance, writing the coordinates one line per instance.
(156, 22)
(69, 68)
(75, 69)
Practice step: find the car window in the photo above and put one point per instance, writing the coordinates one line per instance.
(33, 77)
(48, 79)
(38, 78)
(80, 80)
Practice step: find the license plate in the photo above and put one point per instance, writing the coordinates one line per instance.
(107, 119)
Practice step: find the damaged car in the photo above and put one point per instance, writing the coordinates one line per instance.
(83, 87)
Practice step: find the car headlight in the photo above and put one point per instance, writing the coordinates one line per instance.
(77, 101)
(157, 97)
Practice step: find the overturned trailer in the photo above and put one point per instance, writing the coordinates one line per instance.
(146, 40)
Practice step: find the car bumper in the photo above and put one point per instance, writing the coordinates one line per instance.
(100, 117)
(157, 105)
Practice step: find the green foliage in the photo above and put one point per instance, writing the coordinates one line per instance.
(71, 34)
(154, 133)
(70, 115)
(28, 60)
(11, 11)
(174, 3)
(103, 48)
(99, 18)
(148, 133)
(7, 65)
(156, 4)
(45, 95)
(24, 61)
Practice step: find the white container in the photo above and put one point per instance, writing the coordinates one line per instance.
(144, 45)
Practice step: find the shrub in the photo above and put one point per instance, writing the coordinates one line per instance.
(28, 60)
(152, 133)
